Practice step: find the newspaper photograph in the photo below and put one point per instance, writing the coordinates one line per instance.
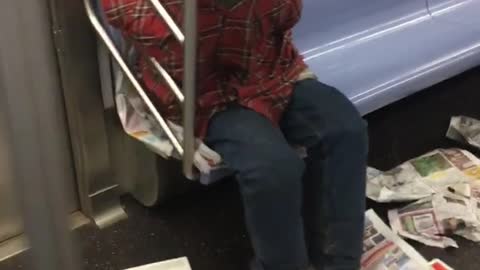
(432, 220)
(465, 130)
(437, 264)
(384, 250)
(423, 176)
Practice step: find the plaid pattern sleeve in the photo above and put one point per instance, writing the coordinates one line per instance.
(138, 19)
(245, 53)
(139, 22)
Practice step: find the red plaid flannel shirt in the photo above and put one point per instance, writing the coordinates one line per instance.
(245, 54)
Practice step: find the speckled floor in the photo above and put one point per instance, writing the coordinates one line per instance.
(207, 225)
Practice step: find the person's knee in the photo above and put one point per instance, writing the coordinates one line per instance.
(350, 135)
(273, 170)
(347, 122)
(353, 125)
(332, 112)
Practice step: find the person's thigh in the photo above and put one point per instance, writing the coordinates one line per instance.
(269, 173)
(249, 143)
(316, 111)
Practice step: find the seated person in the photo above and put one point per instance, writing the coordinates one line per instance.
(256, 98)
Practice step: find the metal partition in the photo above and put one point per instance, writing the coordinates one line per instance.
(76, 51)
(186, 98)
(30, 100)
(10, 222)
(49, 115)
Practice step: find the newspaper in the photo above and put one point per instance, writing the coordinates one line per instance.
(465, 130)
(439, 265)
(399, 184)
(176, 264)
(432, 219)
(138, 122)
(472, 233)
(423, 176)
(383, 249)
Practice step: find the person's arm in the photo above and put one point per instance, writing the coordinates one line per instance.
(289, 16)
(140, 24)
(138, 20)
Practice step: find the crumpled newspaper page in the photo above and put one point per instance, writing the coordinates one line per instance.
(472, 233)
(431, 220)
(396, 185)
(423, 176)
(175, 264)
(383, 249)
(465, 130)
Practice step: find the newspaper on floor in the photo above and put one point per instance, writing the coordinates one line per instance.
(175, 264)
(423, 176)
(439, 265)
(383, 249)
(431, 220)
(472, 233)
(465, 130)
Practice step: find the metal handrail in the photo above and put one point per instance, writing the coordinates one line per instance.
(163, 13)
(168, 79)
(187, 98)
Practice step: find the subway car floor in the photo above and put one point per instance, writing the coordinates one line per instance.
(207, 225)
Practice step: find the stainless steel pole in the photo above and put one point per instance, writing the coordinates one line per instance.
(189, 85)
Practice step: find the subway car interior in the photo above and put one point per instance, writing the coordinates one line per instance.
(78, 190)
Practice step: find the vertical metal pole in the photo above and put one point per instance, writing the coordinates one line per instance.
(189, 85)
(28, 71)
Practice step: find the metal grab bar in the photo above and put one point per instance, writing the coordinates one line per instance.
(168, 79)
(163, 13)
(187, 98)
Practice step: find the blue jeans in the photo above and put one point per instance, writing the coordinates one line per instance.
(299, 212)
